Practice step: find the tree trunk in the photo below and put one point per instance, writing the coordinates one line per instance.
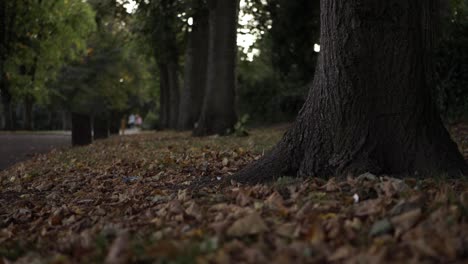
(6, 100)
(8, 111)
(100, 127)
(28, 113)
(81, 129)
(65, 120)
(169, 97)
(174, 93)
(114, 125)
(369, 108)
(218, 113)
(196, 61)
(167, 56)
(164, 96)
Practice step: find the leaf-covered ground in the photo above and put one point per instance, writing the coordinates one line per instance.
(131, 199)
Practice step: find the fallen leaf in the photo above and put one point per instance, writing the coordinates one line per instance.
(405, 221)
(287, 230)
(341, 253)
(243, 199)
(195, 211)
(119, 252)
(251, 224)
(381, 227)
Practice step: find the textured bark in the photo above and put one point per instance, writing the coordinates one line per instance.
(81, 129)
(100, 127)
(218, 114)
(196, 61)
(369, 107)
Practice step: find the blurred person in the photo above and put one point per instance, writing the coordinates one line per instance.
(131, 121)
(138, 121)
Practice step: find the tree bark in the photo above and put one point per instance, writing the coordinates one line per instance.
(163, 96)
(174, 93)
(369, 108)
(28, 113)
(81, 130)
(7, 108)
(167, 56)
(114, 125)
(100, 127)
(169, 96)
(218, 114)
(196, 61)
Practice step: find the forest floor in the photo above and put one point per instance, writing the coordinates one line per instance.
(129, 199)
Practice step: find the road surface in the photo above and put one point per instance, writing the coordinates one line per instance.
(16, 147)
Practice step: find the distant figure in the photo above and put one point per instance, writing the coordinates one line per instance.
(138, 121)
(123, 125)
(131, 121)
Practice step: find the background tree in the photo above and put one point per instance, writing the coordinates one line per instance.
(44, 36)
(162, 23)
(218, 113)
(452, 63)
(113, 77)
(274, 83)
(196, 65)
(370, 106)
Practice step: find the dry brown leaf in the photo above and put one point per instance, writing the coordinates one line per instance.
(195, 211)
(251, 224)
(175, 207)
(119, 252)
(341, 253)
(243, 199)
(288, 230)
(368, 207)
(275, 201)
(405, 221)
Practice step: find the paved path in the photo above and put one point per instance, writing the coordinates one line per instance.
(16, 147)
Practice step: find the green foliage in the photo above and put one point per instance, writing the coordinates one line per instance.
(114, 75)
(44, 35)
(240, 128)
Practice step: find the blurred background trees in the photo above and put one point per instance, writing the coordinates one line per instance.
(106, 59)
(452, 63)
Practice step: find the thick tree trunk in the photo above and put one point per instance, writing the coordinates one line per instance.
(369, 107)
(81, 129)
(196, 62)
(100, 127)
(218, 114)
